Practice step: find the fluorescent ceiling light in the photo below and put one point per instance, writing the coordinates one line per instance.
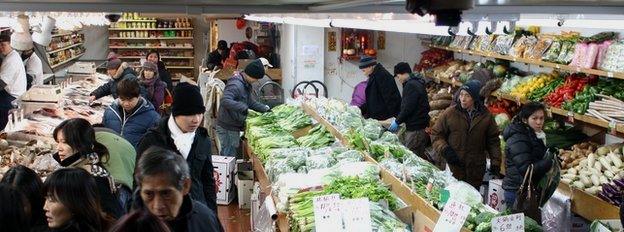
(405, 26)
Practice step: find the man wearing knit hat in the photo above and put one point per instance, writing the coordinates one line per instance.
(383, 99)
(118, 71)
(414, 110)
(181, 132)
(465, 133)
(12, 78)
(235, 104)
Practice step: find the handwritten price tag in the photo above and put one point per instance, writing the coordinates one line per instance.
(327, 215)
(509, 223)
(548, 113)
(356, 215)
(453, 217)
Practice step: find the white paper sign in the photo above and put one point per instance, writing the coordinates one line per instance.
(453, 217)
(356, 215)
(327, 215)
(509, 223)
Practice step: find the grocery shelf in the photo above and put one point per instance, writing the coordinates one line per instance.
(64, 48)
(137, 21)
(162, 57)
(66, 61)
(150, 29)
(127, 47)
(149, 38)
(558, 111)
(67, 33)
(618, 75)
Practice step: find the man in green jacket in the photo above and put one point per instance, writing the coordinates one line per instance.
(120, 163)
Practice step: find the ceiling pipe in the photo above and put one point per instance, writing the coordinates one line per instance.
(349, 4)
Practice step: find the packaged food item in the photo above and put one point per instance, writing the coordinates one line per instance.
(553, 52)
(524, 42)
(486, 43)
(602, 51)
(540, 47)
(614, 58)
(502, 44)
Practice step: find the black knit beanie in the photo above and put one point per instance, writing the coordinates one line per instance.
(187, 100)
(255, 69)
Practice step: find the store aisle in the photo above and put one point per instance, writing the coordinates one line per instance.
(234, 219)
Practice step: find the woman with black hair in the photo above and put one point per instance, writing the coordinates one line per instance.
(78, 148)
(14, 210)
(140, 220)
(28, 183)
(154, 57)
(72, 202)
(525, 147)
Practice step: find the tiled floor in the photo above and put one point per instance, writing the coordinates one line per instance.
(234, 219)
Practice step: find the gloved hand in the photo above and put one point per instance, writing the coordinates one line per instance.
(451, 157)
(394, 127)
(267, 108)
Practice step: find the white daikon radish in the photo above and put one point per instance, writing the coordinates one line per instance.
(595, 180)
(585, 180)
(603, 180)
(609, 174)
(598, 166)
(578, 185)
(615, 159)
(591, 159)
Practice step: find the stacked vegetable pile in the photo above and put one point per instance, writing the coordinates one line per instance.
(562, 49)
(608, 109)
(539, 93)
(438, 103)
(433, 58)
(317, 137)
(604, 88)
(599, 173)
(532, 83)
(574, 83)
(301, 212)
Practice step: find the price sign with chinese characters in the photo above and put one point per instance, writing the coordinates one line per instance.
(509, 223)
(356, 215)
(453, 217)
(327, 215)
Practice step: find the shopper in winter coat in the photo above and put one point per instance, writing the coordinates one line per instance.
(464, 133)
(181, 133)
(120, 163)
(154, 57)
(383, 99)
(130, 115)
(358, 98)
(71, 203)
(30, 185)
(12, 78)
(159, 171)
(118, 71)
(525, 147)
(78, 148)
(150, 80)
(414, 110)
(218, 56)
(235, 103)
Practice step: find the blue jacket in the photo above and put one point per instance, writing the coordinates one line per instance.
(132, 127)
(235, 103)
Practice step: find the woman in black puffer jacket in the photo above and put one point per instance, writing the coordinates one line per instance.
(525, 146)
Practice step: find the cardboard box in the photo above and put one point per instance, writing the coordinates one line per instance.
(496, 195)
(422, 223)
(244, 184)
(224, 167)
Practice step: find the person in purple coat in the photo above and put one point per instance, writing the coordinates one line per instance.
(155, 87)
(359, 94)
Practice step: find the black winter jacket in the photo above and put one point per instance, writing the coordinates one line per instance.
(203, 188)
(193, 216)
(414, 104)
(110, 88)
(235, 103)
(383, 99)
(164, 75)
(523, 149)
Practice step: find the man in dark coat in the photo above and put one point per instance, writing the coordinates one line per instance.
(414, 110)
(164, 182)
(130, 115)
(118, 71)
(383, 99)
(235, 104)
(181, 133)
(464, 133)
(218, 56)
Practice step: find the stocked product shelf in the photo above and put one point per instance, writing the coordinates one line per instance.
(65, 48)
(162, 57)
(123, 47)
(588, 206)
(137, 21)
(66, 61)
(597, 72)
(150, 38)
(64, 34)
(149, 29)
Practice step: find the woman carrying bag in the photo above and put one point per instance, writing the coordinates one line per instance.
(526, 159)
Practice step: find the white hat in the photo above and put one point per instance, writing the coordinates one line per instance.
(265, 62)
(43, 33)
(21, 41)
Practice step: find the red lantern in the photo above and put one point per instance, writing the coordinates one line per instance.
(240, 23)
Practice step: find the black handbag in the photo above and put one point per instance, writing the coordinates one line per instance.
(528, 197)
